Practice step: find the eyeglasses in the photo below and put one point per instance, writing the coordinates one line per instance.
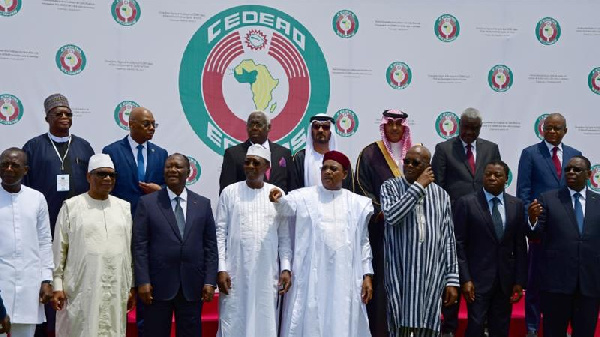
(413, 162)
(104, 174)
(253, 162)
(59, 114)
(553, 128)
(147, 124)
(317, 126)
(574, 169)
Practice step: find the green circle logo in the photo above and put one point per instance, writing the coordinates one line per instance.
(447, 124)
(398, 75)
(538, 126)
(547, 31)
(345, 24)
(10, 7)
(594, 181)
(446, 28)
(500, 78)
(70, 59)
(249, 58)
(594, 80)
(126, 12)
(11, 109)
(195, 171)
(346, 122)
(509, 179)
(122, 112)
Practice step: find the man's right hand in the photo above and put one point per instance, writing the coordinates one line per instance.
(426, 177)
(58, 300)
(223, 279)
(5, 323)
(534, 210)
(275, 195)
(468, 290)
(145, 293)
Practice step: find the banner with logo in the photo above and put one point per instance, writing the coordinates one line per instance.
(202, 67)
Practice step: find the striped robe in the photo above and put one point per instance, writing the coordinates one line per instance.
(420, 256)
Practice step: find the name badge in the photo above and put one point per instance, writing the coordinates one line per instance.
(62, 182)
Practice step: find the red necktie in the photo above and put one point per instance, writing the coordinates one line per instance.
(470, 158)
(556, 161)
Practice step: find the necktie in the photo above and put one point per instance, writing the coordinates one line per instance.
(140, 162)
(578, 211)
(497, 218)
(179, 215)
(470, 158)
(556, 162)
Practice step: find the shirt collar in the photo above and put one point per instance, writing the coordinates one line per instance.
(489, 196)
(265, 144)
(57, 139)
(473, 145)
(134, 144)
(582, 192)
(551, 147)
(172, 194)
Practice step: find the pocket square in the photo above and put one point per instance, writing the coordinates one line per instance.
(282, 162)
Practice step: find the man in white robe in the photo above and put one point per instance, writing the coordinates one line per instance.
(25, 246)
(92, 253)
(332, 256)
(249, 240)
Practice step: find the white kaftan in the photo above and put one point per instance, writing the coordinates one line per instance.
(249, 240)
(331, 255)
(92, 254)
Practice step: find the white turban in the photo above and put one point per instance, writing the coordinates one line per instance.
(259, 151)
(100, 160)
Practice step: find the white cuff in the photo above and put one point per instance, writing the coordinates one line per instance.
(57, 285)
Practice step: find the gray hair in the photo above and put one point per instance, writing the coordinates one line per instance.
(556, 114)
(264, 114)
(471, 113)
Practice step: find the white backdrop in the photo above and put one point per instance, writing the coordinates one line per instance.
(198, 64)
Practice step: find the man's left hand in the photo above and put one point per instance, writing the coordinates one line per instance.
(131, 302)
(517, 293)
(149, 187)
(45, 293)
(285, 282)
(366, 293)
(208, 292)
(451, 296)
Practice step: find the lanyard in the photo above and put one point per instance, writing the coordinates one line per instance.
(62, 159)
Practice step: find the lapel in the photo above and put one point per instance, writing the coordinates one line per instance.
(565, 198)
(190, 212)
(165, 206)
(152, 161)
(481, 150)
(592, 203)
(459, 152)
(545, 153)
(129, 155)
(485, 213)
(510, 212)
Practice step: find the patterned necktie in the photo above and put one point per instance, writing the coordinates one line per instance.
(578, 211)
(470, 158)
(497, 218)
(179, 215)
(556, 162)
(140, 162)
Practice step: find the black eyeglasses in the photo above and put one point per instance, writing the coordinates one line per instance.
(413, 162)
(253, 162)
(61, 113)
(574, 169)
(147, 124)
(104, 174)
(325, 127)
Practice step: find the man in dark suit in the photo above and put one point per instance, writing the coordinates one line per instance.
(490, 230)
(567, 221)
(540, 170)
(175, 253)
(458, 165)
(258, 127)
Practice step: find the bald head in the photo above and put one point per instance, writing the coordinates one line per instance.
(422, 152)
(141, 124)
(555, 128)
(415, 162)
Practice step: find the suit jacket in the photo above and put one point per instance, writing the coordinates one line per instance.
(451, 170)
(569, 259)
(537, 173)
(482, 257)
(165, 259)
(232, 169)
(126, 186)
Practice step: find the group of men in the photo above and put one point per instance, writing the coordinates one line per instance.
(300, 245)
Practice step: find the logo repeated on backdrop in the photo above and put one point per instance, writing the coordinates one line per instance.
(447, 124)
(9, 7)
(446, 28)
(398, 75)
(249, 58)
(126, 12)
(594, 182)
(500, 78)
(594, 80)
(346, 122)
(195, 171)
(11, 109)
(509, 179)
(70, 59)
(538, 126)
(122, 112)
(547, 31)
(345, 23)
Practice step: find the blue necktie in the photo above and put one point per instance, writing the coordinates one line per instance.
(179, 216)
(578, 211)
(140, 162)
(497, 218)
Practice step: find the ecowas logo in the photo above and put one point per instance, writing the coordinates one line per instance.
(594, 80)
(249, 58)
(509, 179)
(9, 7)
(126, 12)
(594, 182)
(11, 109)
(345, 23)
(538, 126)
(547, 31)
(446, 28)
(500, 78)
(447, 124)
(346, 122)
(398, 75)
(122, 112)
(195, 171)
(70, 59)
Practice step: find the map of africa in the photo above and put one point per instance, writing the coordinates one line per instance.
(261, 83)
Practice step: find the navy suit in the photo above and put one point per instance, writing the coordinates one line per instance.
(569, 273)
(177, 267)
(126, 186)
(493, 265)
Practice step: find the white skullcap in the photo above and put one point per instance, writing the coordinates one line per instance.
(259, 151)
(100, 160)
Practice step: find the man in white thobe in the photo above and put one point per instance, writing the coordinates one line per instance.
(92, 254)
(249, 240)
(332, 256)
(25, 246)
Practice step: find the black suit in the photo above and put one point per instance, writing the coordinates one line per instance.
(570, 261)
(232, 169)
(493, 265)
